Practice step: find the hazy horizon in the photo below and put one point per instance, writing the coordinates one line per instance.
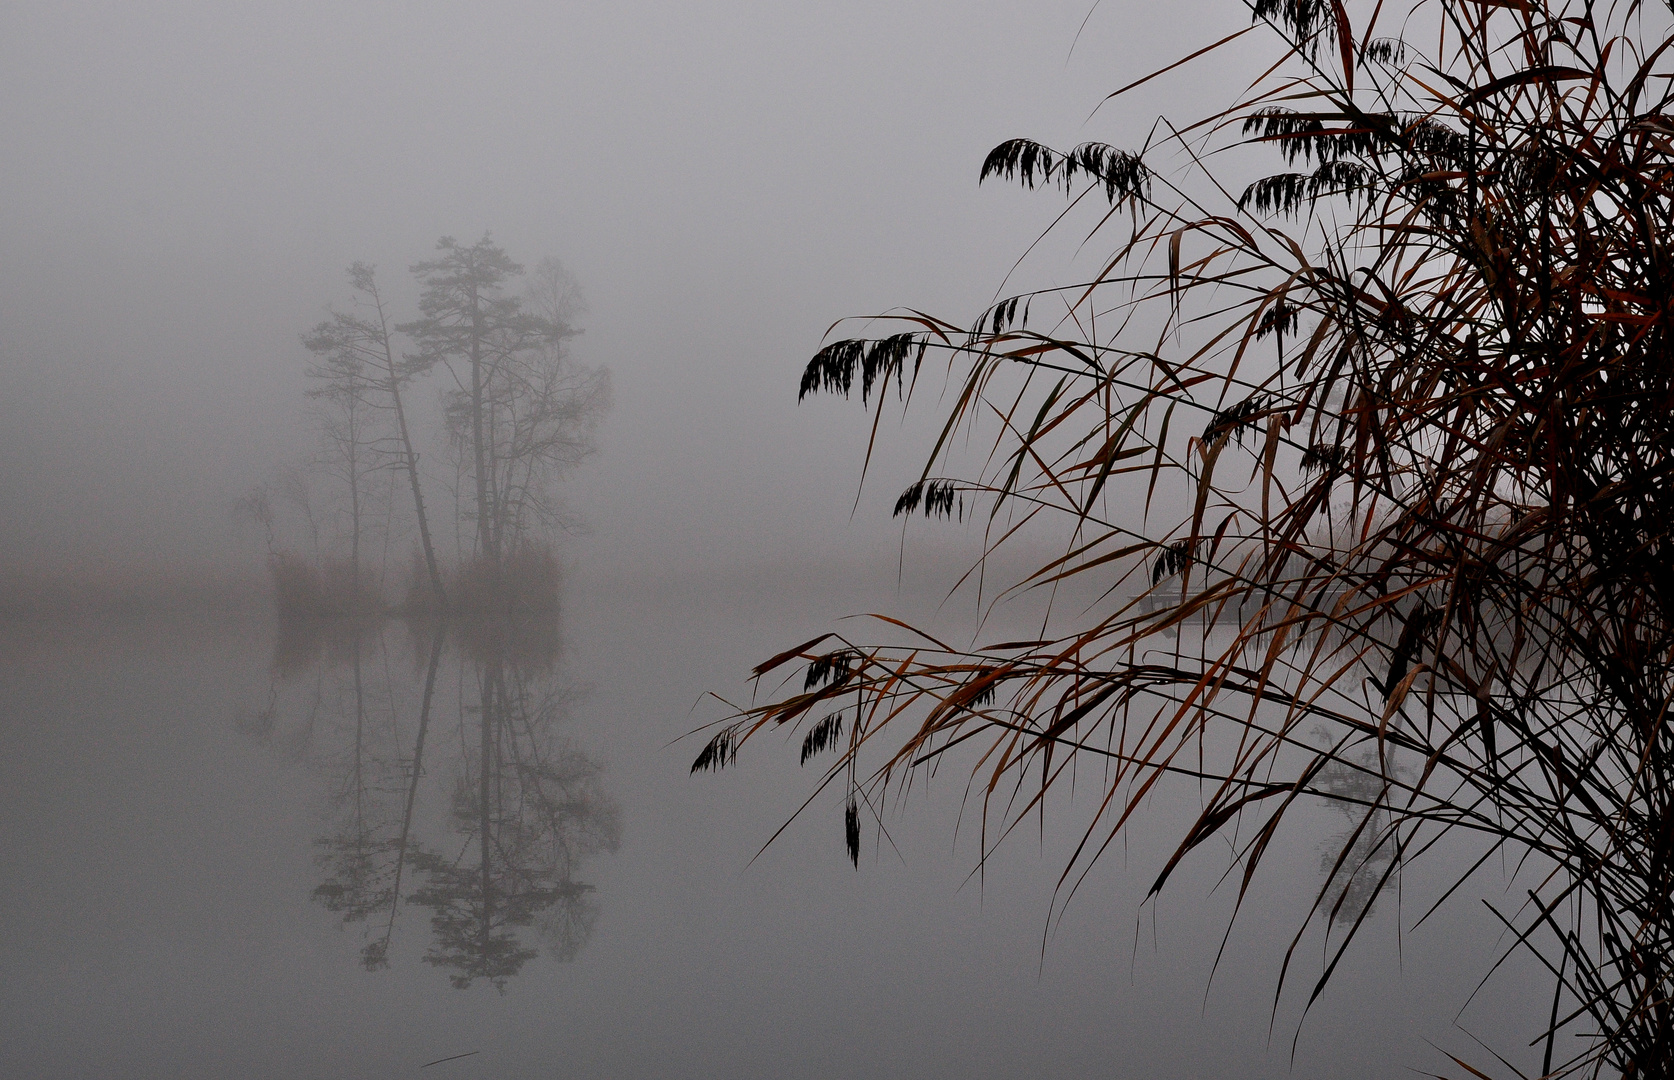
(184, 188)
(187, 184)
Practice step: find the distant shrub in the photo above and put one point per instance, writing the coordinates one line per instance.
(524, 583)
(330, 588)
(506, 613)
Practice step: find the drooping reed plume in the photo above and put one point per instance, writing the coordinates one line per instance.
(1413, 394)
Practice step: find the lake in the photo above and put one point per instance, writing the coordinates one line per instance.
(239, 849)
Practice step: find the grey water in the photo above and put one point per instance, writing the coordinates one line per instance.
(205, 820)
(224, 851)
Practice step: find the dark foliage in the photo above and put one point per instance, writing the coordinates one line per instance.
(833, 367)
(935, 496)
(717, 753)
(1121, 174)
(1173, 560)
(832, 670)
(1235, 420)
(1320, 456)
(1442, 563)
(824, 734)
(851, 831)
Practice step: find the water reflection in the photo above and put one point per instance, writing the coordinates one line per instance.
(1357, 861)
(455, 788)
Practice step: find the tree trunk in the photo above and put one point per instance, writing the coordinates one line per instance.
(485, 818)
(413, 781)
(394, 388)
(486, 539)
(354, 509)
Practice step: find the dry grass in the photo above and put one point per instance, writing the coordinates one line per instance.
(508, 613)
(1414, 397)
(524, 584)
(322, 589)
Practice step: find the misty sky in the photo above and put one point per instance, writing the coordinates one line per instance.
(182, 188)
(185, 183)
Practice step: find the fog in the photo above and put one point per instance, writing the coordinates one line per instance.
(186, 184)
(183, 188)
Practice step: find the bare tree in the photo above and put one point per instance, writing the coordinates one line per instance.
(545, 409)
(361, 342)
(472, 327)
(343, 383)
(521, 412)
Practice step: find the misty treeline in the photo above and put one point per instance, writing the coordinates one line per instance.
(455, 792)
(1358, 441)
(477, 399)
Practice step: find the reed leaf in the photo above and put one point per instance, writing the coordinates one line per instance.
(1445, 567)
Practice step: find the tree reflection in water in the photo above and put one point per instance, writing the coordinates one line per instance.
(457, 789)
(1360, 861)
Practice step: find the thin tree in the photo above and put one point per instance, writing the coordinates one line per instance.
(471, 325)
(1415, 397)
(342, 384)
(545, 409)
(363, 342)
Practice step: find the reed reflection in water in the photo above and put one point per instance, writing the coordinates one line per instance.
(455, 787)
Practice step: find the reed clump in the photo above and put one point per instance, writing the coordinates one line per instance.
(1369, 469)
(324, 588)
(523, 583)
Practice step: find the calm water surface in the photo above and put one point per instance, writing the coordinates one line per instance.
(232, 849)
